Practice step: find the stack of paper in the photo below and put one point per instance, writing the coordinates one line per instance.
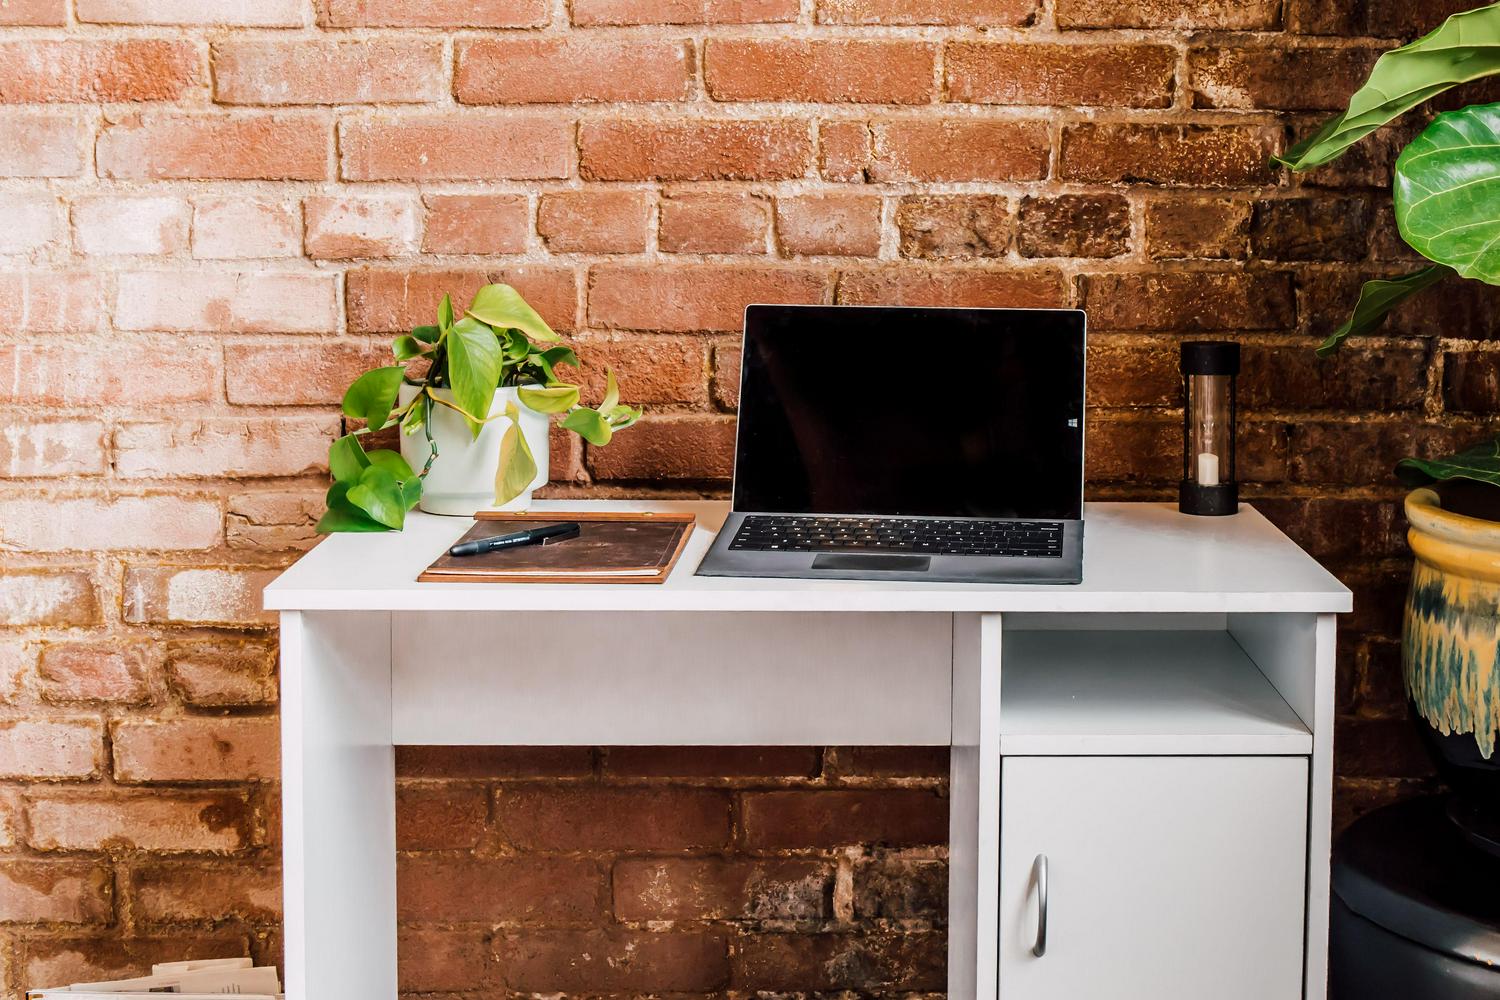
(212, 977)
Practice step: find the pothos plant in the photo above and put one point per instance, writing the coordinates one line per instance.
(1446, 189)
(498, 341)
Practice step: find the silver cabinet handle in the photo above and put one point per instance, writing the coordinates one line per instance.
(1039, 876)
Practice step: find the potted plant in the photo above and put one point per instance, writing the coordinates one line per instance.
(1447, 207)
(474, 419)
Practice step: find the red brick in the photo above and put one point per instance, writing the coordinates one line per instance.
(722, 889)
(693, 150)
(32, 221)
(981, 13)
(109, 226)
(1134, 371)
(57, 448)
(959, 149)
(1280, 78)
(713, 762)
(82, 672)
(299, 373)
(955, 226)
(876, 962)
(159, 821)
(73, 70)
(196, 595)
(1182, 300)
(339, 228)
(1012, 288)
(327, 72)
(597, 12)
(726, 378)
(110, 523)
(55, 892)
(42, 144)
(181, 893)
(492, 890)
(44, 597)
(1132, 76)
(241, 302)
(51, 374)
(433, 13)
(1362, 452)
(1073, 225)
(237, 13)
(1334, 528)
(440, 817)
(1323, 228)
(476, 223)
(238, 226)
(572, 70)
(195, 750)
(894, 762)
(493, 762)
(1207, 228)
(455, 147)
(615, 961)
(222, 673)
(51, 750)
(714, 223)
(845, 150)
(827, 71)
(243, 146)
(687, 447)
(593, 221)
(691, 298)
(45, 13)
(583, 818)
(396, 301)
(652, 370)
(833, 225)
(1471, 381)
(52, 302)
(826, 818)
(1196, 155)
(95, 958)
(1234, 15)
(900, 889)
(440, 959)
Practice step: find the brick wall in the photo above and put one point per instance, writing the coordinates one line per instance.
(213, 209)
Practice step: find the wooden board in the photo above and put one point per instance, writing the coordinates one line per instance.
(612, 547)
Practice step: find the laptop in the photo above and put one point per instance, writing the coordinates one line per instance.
(895, 443)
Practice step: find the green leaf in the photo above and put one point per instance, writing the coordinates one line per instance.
(1481, 462)
(373, 395)
(343, 515)
(392, 462)
(1447, 192)
(1465, 47)
(549, 399)
(427, 334)
(1376, 299)
(549, 359)
(411, 492)
(611, 392)
(347, 460)
(621, 417)
(379, 494)
(407, 347)
(589, 425)
(517, 347)
(502, 307)
(445, 315)
(517, 464)
(473, 368)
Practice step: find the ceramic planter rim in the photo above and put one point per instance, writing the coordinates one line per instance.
(1455, 543)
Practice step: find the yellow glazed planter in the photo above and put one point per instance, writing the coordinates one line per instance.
(1451, 633)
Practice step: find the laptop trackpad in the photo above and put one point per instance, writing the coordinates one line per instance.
(888, 563)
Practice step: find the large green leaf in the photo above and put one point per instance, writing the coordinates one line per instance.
(589, 425)
(502, 307)
(1447, 192)
(342, 515)
(549, 399)
(1376, 300)
(373, 395)
(1465, 47)
(473, 368)
(517, 464)
(1481, 462)
(347, 460)
(379, 494)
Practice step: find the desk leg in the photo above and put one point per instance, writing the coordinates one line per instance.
(974, 810)
(338, 806)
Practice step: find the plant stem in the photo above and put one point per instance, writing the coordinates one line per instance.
(427, 430)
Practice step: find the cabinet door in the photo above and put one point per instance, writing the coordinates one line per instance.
(1167, 878)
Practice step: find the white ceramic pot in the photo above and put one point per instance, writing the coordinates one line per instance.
(462, 479)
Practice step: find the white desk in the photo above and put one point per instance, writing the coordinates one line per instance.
(1164, 731)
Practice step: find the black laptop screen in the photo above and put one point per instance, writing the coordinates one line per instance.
(939, 412)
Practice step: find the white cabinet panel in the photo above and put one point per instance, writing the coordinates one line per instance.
(1168, 878)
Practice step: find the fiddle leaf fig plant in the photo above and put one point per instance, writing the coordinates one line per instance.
(1446, 188)
(499, 340)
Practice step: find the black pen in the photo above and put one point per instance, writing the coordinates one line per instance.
(530, 536)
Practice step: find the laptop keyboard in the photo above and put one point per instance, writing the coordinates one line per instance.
(794, 533)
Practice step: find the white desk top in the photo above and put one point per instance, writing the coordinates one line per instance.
(1137, 558)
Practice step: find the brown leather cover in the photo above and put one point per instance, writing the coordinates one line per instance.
(610, 548)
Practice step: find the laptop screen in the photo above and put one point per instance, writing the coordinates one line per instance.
(937, 412)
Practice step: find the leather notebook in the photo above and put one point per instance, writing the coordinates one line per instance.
(610, 548)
